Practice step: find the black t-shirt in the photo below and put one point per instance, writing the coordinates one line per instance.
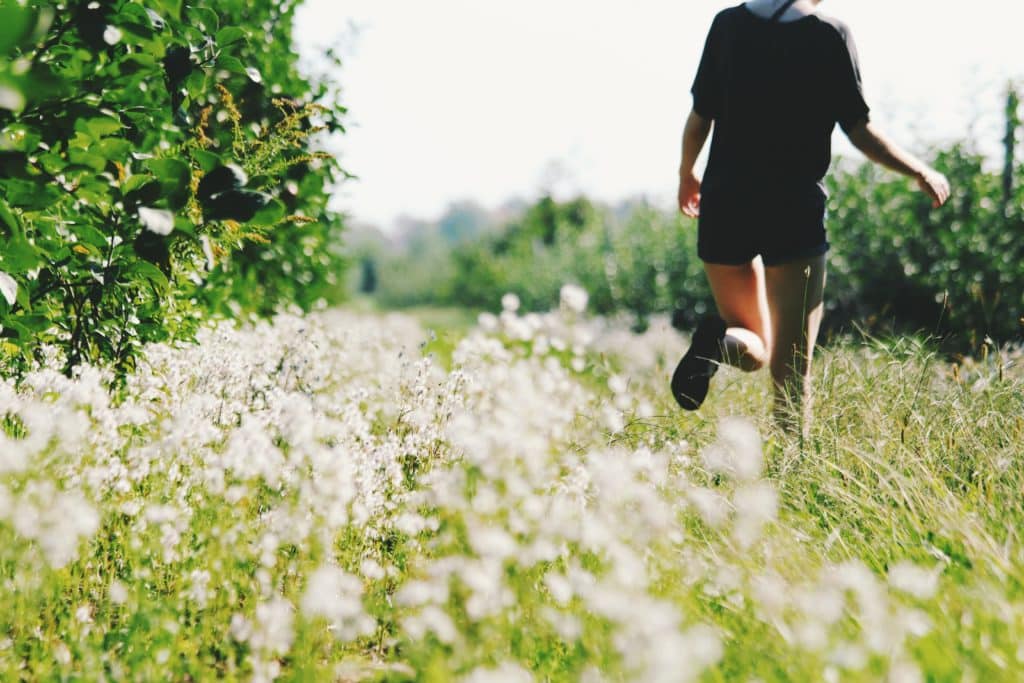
(775, 92)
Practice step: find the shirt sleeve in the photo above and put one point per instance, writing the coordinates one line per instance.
(850, 107)
(707, 86)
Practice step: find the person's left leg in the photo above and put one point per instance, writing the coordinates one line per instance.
(738, 337)
(795, 300)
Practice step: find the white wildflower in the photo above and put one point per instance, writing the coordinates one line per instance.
(240, 628)
(83, 614)
(560, 587)
(905, 672)
(573, 298)
(431, 619)
(337, 596)
(737, 452)
(756, 505)
(117, 592)
(371, 569)
(273, 632)
(505, 673)
(712, 507)
(62, 654)
(916, 581)
(199, 588)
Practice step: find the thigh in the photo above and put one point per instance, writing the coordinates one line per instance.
(795, 293)
(739, 293)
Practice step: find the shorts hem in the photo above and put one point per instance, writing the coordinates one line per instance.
(726, 262)
(783, 259)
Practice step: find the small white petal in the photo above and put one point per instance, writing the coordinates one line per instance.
(159, 221)
(8, 287)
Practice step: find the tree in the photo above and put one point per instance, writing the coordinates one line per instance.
(157, 165)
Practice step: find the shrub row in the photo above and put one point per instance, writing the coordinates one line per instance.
(896, 266)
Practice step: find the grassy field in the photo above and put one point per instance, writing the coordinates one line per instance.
(355, 495)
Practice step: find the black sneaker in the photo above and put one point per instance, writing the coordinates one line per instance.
(693, 374)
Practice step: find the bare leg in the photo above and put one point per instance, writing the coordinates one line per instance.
(741, 299)
(795, 294)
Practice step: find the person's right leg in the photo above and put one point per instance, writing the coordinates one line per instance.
(795, 294)
(740, 297)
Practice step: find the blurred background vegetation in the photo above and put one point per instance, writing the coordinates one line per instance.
(896, 266)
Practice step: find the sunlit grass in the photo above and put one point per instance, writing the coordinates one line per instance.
(314, 501)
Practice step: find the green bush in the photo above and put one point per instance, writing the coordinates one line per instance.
(156, 167)
(897, 261)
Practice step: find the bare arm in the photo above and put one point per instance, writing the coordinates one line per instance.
(695, 134)
(880, 149)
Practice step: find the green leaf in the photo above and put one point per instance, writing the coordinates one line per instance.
(36, 324)
(98, 127)
(16, 25)
(31, 195)
(172, 8)
(19, 330)
(135, 182)
(96, 162)
(174, 176)
(270, 214)
(8, 219)
(114, 149)
(207, 160)
(19, 137)
(195, 84)
(137, 61)
(232, 64)
(151, 274)
(228, 35)
(137, 21)
(24, 299)
(87, 234)
(19, 255)
(208, 19)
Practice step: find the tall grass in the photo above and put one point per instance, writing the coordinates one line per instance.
(314, 499)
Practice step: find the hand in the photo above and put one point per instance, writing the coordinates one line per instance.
(689, 195)
(935, 185)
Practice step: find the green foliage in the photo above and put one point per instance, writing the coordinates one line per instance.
(156, 166)
(641, 265)
(896, 260)
(897, 265)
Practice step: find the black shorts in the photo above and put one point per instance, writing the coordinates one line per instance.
(735, 227)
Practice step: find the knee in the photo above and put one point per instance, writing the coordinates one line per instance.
(746, 349)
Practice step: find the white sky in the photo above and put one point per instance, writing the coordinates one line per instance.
(484, 99)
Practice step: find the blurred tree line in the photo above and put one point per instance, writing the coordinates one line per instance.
(896, 265)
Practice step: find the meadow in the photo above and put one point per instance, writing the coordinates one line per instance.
(351, 496)
(210, 470)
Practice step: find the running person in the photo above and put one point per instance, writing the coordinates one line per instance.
(775, 78)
